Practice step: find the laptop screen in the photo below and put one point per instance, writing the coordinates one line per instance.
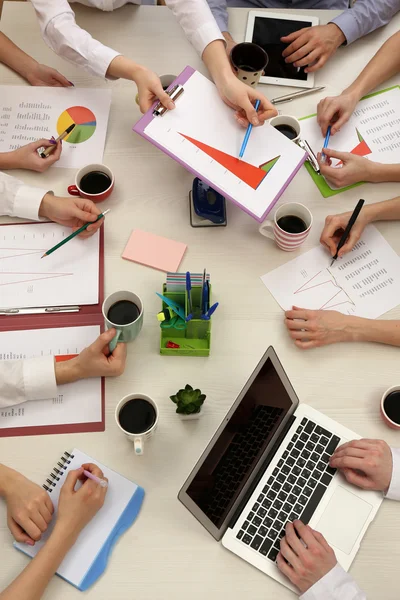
(240, 443)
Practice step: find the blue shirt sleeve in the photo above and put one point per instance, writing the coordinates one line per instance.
(220, 11)
(365, 16)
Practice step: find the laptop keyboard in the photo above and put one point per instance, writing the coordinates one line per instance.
(294, 489)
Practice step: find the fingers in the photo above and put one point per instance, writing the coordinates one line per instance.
(288, 39)
(63, 81)
(318, 65)
(93, 469)
(49, 505)
(32, 529)
(18, 533)
(296, 41)
(320, 538)
(54, 156)
(333, 224)
(71, 480)
(289, 555)
(306, 534)
(294, 541)
(307, 345)
(327, 110)
(266, 109)
(347, 462)
(303, 52)
(300, 314)
(286, 569)
(357, 479)
(42, 143)
(118, 360)
(103, 340)
(364, 443)
(45, 513)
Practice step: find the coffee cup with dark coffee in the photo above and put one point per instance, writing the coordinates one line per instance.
(137, 416)
(249, 61)
(123, 311)
(95, 182)
(290, 227)
(287, 126)
(390, 407)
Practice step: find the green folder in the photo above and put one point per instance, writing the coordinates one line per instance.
(319, 180)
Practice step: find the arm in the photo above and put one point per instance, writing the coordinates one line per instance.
(28, 67)
(364, 17)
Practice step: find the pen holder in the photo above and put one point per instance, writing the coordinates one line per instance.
(195, 339)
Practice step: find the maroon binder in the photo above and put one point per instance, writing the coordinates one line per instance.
(87, 315)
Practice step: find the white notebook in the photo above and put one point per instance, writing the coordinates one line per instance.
(87, 560)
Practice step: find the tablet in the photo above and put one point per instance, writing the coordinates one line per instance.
(266, 29)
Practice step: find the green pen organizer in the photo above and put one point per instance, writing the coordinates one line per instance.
(195, 339)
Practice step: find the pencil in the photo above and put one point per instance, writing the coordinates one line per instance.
(50, 149)
(346, 232)
(246, 137)
(89, 475)
(326, 142)
(77, 232)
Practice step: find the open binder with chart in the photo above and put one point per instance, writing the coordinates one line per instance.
(202, 134)
(51, 307)
(88, 558)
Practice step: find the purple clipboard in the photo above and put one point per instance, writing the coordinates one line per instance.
(147, 119)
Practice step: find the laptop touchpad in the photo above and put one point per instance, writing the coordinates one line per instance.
(343, 519)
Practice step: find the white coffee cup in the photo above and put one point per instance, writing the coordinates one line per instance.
(139, 438)
(287, 120)
(286, 240)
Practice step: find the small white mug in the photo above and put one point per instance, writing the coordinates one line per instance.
(286, 240)
(389, 422)
(139, 438)
(292, 122)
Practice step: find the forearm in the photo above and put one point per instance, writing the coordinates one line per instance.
(379, 172)
(369, 330)
(384, 65)
(216, 60)
(5, 475)
(14, 57)
(8, 161)
(123, 68)
(388, 210)
(67, 371)
(32, 582)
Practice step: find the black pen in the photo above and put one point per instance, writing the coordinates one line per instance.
(60, 138)
(350, 224)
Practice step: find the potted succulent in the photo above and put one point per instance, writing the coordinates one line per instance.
(188, 403)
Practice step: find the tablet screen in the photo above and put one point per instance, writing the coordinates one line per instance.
(267, 34)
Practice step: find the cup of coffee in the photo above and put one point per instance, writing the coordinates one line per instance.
(390, 407)
(137, 416)
(95, 182)
(123, 311)
(249, 61)
(288, 126)
(290, 227)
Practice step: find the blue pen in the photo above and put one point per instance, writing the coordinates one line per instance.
(206, 317)
(189, 296)
(246, 137)
(326, 142)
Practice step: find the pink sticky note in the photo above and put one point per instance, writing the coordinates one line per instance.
(154, 251)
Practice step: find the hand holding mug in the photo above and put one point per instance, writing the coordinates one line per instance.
(123, 311)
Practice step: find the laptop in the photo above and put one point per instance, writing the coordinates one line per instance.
(267, 464)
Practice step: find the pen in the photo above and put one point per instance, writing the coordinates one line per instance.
(77, 232)
(299, 94)
(211, 311)
(203, 285)
(326, 142)
(38, 310)
(89, 475)
(50, 149)
(246, 137)
(189, 296)
(346, 232)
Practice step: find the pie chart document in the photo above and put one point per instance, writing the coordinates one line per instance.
(30, 113)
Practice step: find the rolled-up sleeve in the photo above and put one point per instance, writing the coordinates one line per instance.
(18, 199)
(23, 380)
(394, 488)
(68, 40)
(365, 16)
(197, 21)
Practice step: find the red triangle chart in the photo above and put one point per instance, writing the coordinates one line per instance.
(246, 172)
(362, 149)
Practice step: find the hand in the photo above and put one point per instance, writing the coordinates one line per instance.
(354, 168)
(94, 361)
(334, 229)
(29, 508)
(368, 464)
(316, 328)
(28, 158)
(312, 46)
(77, 507)
(150, 89)
(71, 212)
(336, 111)
(46, 76)
(308, 561)
(242, 98)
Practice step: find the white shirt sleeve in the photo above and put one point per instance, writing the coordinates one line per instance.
(335, 585)
(394, 488)
(22, 380)
(19, 200)
(196, 20)
(68, 40)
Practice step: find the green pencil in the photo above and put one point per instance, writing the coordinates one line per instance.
(77, 232)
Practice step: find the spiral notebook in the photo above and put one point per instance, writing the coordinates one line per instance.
(88, 558)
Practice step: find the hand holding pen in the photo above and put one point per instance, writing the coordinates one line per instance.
(27, 157)
(335, 226)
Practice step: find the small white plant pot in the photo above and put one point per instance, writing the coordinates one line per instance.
(192, 417)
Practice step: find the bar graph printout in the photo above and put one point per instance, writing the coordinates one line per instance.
(69, 276)
(366, 282)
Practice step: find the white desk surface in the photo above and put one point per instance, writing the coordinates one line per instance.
(167, 554)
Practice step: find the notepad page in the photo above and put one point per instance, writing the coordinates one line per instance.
(91, 540)
(67, 277)
(78, 402)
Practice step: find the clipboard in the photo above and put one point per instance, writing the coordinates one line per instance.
(249, 187)
(87, 315)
